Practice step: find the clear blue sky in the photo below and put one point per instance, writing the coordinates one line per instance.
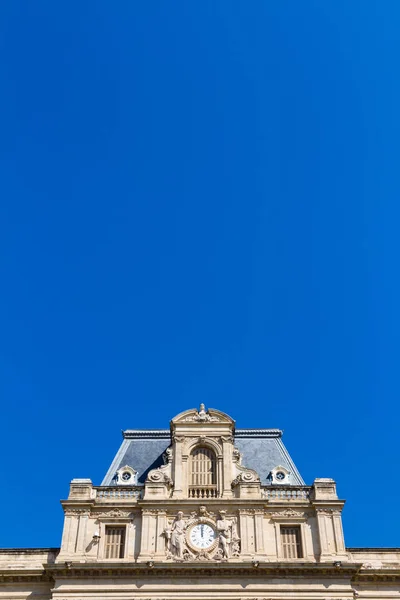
(200, 203)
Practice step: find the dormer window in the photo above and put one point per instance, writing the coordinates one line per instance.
(280, 475)
(126, 476)
(203, 473)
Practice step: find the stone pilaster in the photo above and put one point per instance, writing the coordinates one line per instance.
(227, 448)
(178, 468)
(149, 532)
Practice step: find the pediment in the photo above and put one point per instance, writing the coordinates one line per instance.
(202, 415)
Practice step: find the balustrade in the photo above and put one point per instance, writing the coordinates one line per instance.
(288, 493)
(119, 493)
(204, 491)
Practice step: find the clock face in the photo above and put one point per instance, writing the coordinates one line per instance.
(202, 536)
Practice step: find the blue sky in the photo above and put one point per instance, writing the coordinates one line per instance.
(200, 203)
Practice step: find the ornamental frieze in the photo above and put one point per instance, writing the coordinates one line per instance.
(77, 512)
(328, 511)
(288, 514)
(115, 513)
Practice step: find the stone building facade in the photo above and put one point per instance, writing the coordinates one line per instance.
(198, 512)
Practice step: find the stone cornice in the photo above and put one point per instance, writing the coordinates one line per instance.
(373, 549)
(130, 434)
(258, 433)
(255, 570)
(28, 550)
(24, 576)
(154, 569)
(383, 574)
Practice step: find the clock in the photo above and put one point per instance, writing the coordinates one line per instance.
(202, 536)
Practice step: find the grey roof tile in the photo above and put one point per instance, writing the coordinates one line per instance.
(262, 450)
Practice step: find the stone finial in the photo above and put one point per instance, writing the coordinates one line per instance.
(202, 416)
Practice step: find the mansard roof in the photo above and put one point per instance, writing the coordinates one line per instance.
(261, 449)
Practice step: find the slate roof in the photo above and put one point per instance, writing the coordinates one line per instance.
(262, 450)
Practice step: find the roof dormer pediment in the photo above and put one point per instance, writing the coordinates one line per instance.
(211, 421)
(201, 415)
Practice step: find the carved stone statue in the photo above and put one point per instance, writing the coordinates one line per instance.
(228, 536)
(178, 536)
(224, 528)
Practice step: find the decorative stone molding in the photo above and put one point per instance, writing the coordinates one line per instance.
(288, 514)
(328, 511)
(168, 455)
(202, 440)
(246, 476)
(115, 513)
(247, 511)
(77, 512)
(242, 474)
(162, 474)
(158, 475)
(236, 456)
(245, 482)
(202, 416)
(228, 439)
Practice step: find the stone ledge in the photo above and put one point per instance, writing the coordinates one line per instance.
(254, 569)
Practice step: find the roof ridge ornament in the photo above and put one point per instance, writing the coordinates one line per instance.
(202, 416)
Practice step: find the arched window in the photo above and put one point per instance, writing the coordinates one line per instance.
(203, 474)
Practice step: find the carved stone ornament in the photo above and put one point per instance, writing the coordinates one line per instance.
(77, 512)
(185, 541)
(179, 439)
(288, 514)
(236, 456)
(162, 474)
(202, 416)
(329, 512)
(243, 474)
(168, 455)
(115, 513)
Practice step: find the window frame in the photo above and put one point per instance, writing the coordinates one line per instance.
(210, 490)
(121, 545)
(299, 543)
(103, 539)
(305, 542)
